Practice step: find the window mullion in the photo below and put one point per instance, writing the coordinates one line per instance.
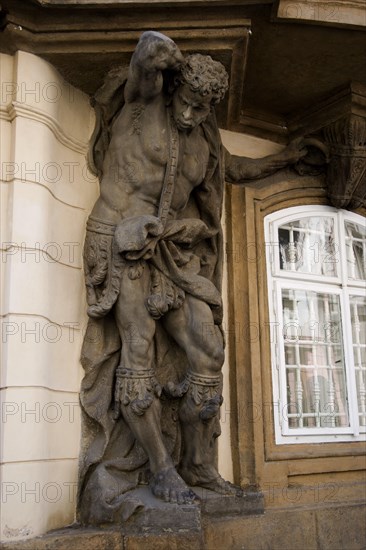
(342, 248)
(280, 372)
(349, 361)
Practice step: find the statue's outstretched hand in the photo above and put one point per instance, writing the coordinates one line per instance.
(242, 169)
(294, 151)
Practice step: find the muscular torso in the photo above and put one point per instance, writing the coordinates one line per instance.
(135, 163)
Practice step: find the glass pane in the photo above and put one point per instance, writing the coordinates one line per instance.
(356, 250)
(314, 360)
(358, 316)
(307, 246)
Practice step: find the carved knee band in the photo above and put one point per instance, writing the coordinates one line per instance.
(136, 389)
(205, 392)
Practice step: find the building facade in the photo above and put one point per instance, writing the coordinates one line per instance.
(294, 412)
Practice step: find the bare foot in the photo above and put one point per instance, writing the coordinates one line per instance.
(209, 478)
(169, 486)
(221, 486)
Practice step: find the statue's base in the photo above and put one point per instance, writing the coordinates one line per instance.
(158, 526)
(158, 515)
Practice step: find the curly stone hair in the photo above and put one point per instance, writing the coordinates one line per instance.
(204, 75)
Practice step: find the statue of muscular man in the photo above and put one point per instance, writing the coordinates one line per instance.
(158, 217)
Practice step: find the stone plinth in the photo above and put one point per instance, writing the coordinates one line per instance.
(159, 525)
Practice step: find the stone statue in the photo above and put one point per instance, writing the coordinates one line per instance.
(154, 346)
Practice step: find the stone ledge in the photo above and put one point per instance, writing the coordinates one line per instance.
(323, 527)
(213, 504)
(314, 528)
(77, 538)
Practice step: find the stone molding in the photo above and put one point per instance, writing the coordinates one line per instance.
(74, 40)
(331, 12)
(15, 109)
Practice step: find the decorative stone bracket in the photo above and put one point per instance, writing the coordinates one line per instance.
(337, 126)
(346, 174)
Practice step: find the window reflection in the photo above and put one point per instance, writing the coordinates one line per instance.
(356, 250)
(307, 246)
(358, 317)
(315, 371)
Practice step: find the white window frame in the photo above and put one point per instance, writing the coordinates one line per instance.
(339, 285)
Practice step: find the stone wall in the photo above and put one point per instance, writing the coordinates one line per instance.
(47, 192)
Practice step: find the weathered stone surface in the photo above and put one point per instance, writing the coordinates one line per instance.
(273, 530)
(164, 541)
(341, 527)
(322, 528)
(74, 538)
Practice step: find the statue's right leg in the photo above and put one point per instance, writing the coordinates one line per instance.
(138, 389)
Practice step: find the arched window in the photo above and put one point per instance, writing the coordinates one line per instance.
(316, 267)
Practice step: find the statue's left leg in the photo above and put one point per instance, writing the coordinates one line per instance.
(193, 328)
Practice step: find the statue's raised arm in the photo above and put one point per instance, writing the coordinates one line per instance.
(154, 53)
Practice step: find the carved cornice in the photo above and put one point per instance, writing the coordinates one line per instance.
(83, 39)
(345, 101)
(84, 46)
(335, 13)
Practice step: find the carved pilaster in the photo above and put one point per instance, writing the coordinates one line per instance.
(346, 175)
